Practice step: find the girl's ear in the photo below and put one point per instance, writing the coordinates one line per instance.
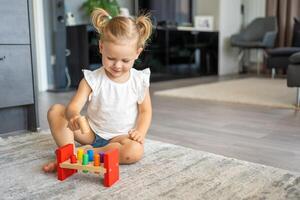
(139, 51)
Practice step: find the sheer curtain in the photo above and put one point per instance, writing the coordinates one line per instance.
(285, 11)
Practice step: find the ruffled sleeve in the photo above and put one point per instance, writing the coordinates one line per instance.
(145, 83)
(92, 78)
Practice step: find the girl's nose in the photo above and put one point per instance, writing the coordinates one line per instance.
(118, 65)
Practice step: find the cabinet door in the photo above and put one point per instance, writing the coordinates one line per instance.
(16, 86)
(14, 27)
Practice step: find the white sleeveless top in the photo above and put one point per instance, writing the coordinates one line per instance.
(113, 107)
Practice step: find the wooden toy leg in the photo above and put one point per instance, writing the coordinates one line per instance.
(62, 154)
(111, 164)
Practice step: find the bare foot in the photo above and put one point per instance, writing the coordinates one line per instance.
(50, 167)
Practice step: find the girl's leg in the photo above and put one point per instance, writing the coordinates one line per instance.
(61, 134)
(58, 125)
(130, 151)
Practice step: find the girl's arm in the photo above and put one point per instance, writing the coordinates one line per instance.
(144, 119)
(77, 102)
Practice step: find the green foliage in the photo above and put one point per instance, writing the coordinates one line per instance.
(111, 6)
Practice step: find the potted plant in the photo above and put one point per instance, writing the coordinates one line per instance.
(111, 6)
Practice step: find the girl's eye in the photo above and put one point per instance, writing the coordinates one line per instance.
(109, 58)
(126, 61)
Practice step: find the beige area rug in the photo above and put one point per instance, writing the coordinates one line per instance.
(166, 172)
(254, 91)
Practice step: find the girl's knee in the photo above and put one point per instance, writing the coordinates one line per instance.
(131, 152)
(55, 110)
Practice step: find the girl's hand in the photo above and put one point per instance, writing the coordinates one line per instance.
(136, 136)
(73, 123)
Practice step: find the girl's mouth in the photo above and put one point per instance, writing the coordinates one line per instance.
(116, 71)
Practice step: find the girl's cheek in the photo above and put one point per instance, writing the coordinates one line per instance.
(109, 63)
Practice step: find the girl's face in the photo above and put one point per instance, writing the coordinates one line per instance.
(118, 58)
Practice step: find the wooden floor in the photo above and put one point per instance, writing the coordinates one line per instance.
(257, 134)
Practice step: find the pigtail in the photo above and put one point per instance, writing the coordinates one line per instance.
(144, 27)
(121, 27)
(99, 19)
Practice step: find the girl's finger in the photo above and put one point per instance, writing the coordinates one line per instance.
(70, 126)
(130, 136)
(131, 131)
(76, 125)
(140, 140)
(73, 126)
(134, 134)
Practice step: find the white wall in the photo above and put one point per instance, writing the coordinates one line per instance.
(75, 13)
(253, 9)
(41, 60)
(129, 4)
(208, 7)
(229, 24)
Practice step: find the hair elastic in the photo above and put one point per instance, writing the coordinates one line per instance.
(109, 17)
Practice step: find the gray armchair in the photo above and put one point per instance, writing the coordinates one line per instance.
(261, 33)
(293, 75)
(278, 58)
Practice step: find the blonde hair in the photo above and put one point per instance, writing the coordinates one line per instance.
(121, 27)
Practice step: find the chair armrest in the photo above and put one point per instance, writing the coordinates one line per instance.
(269, 39)
(283, 51)
(295, 58)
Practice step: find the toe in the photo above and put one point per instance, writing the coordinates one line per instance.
(49, 167)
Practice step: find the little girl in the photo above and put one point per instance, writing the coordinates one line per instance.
(119, 107)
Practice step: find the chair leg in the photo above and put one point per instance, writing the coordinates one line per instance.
(258, 63)
(273, 73)
(298, 97)
(241, 55)
(241, 60)
(197, 57)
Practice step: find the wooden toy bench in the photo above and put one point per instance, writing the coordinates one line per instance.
(68, 164)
